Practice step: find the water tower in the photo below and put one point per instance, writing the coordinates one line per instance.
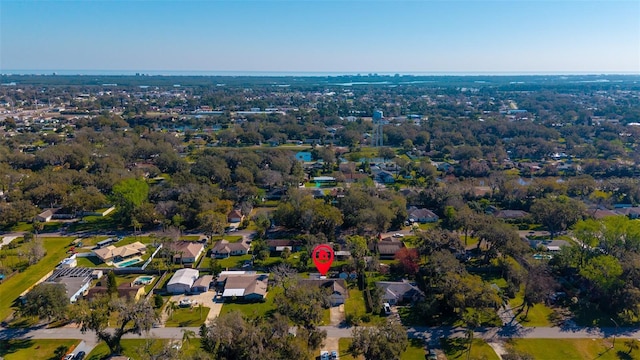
(377, 128)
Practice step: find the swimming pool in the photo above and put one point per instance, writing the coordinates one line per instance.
(128, 262)
(143, 280)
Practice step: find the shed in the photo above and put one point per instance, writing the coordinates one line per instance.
(182, 281)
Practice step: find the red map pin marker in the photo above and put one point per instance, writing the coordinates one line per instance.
(322, 257)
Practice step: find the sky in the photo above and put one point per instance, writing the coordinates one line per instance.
(382, 36)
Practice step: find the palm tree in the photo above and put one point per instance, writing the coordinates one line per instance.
(200, 309)
(472, 320)
(187, 335)
(170, 309)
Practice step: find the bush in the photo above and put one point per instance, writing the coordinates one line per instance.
(158, 301)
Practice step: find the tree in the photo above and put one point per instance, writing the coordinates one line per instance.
(170, 308)
(112, 285)
(212, 222)
(130, 193)
(557, 214)
(538, 286)
(387, 341)
(35, 252)
(46, 301)
(37, 228)
(133, 317)
(303, 305)
(409, 260)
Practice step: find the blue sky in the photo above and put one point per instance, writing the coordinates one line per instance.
(509, 36)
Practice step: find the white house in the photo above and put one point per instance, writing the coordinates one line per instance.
(182, 281)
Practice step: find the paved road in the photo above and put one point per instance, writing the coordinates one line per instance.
(426, 333)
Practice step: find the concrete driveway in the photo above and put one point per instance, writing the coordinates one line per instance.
(206, 299)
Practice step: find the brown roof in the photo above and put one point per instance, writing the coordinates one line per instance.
(204, 280)
(188, 248)
(336, 285)
(124, 290)
(111, 251)
(224, 246)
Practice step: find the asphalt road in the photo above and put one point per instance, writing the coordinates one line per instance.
(426, 333)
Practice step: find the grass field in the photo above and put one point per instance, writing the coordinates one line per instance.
(135, 347)
(28, 349)
(415, 350)
(11, 288)
(457, 349)
(188, 317)
(570, 349)
(539, 314)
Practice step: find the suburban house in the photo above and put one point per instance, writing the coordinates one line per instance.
(182, 281)
(75, 280)
(112, 253)
(630, 212)
(386, 247)
(202, 284)
(399, 292)
(187, 252)
(223, 249)
(548, 245)
(235, 216)
(45, 216)
(278, 245)
(243, 286)
(422, 215)
(126, 290)
(337, 288)
(510, 214)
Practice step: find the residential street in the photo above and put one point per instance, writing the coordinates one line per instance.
(427, 333)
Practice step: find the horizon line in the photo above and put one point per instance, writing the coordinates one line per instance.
(272, 73)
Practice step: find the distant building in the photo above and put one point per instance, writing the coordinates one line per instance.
(235, 216)
(422, 215)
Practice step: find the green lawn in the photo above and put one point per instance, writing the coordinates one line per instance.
(569, 349)
(457, 349)
(355, 306)
(134, 347)
(188, 317)
(27, 348)
(253, 309)
(415, 350)
(539, 314)
(11, 288)
(90, 261)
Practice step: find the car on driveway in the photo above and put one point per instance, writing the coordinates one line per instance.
(69, 357)
(432, 355)
(398, 235)
(334, 354)
(80, 355)
(324, 355)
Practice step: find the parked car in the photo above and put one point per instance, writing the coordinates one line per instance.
(387, 308)
(69, 356)
(324, 355)
(334, 354)
(80, 355)
(398, 235)
(432, 355)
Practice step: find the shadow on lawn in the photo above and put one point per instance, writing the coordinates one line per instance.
(14, 345)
